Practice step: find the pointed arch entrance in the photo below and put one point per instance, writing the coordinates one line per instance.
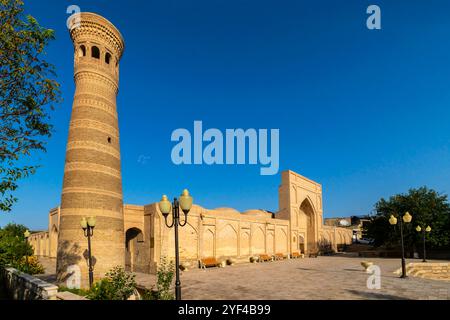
(53, 241)
(134, 250)
(308, 210)
(301, 243)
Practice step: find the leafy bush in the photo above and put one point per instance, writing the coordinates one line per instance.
(101, 290)
(32, 266)
(13, 246)
(149, 295)
(165, 275)
(117, 285)
(122, 283)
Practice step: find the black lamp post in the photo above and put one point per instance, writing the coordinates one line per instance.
(393, 221)
(185, 203)
(427, 229)
(88, 228)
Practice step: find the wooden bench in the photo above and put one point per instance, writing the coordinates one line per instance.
(264, 257)
(208, 262)
(295, 255)
(279, 256)
(313, 254)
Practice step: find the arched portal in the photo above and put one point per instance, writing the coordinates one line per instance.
(227, 241)
(340, 241)
(36, 245)
(245, 243)
(208, 243)
(53, 241)
(301, 244)
(187, 243)
(270, 243)
(308, 210)
(47, 244)
(134, 250)
(281, 241)
(348, 239)
(258, 241)
(41, 244)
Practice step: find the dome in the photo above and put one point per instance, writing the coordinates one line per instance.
(257, 212)
(226, 210)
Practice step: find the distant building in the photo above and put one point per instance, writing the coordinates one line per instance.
(338, 222)
(356, 223)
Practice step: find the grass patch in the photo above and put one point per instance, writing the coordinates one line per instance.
(80, 292)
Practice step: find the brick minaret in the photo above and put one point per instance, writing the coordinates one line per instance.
(92, 177)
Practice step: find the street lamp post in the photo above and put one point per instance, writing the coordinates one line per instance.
(185, 203)
(393, 221)
(26, 234)
(427, 229)
(88, 228)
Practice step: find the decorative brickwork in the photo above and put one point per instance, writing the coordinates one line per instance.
(92, 176)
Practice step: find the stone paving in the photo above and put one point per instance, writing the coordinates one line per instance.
(49, 265)
(325, 277)
(331, 277)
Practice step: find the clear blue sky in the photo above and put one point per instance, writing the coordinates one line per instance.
(365, 113)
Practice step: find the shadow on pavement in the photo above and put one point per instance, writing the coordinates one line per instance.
(51, 278)
(354, 270)
(338, 271)
(378, 296)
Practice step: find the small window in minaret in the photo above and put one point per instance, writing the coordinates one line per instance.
(95, 52)
(107, 57)
(109, 139)
(82, 51)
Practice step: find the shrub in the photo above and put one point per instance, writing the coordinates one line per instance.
(149, 295)
(122, 283)
(165, 275)
(101, 290)
(117, 285)
(32, 266)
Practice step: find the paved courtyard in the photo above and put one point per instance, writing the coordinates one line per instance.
(325, 277)
(331, 277)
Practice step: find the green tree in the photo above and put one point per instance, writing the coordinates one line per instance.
(427, 207)
(13, 246)
(28, 93)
